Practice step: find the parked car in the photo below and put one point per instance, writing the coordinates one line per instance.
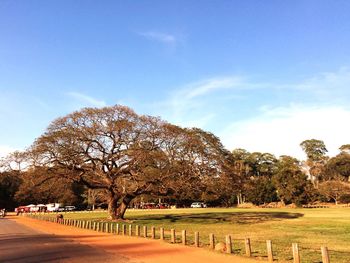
(22, 209)
(54, 207)
(69, 208)
(162, 206)
(148, 206)
(198, 205)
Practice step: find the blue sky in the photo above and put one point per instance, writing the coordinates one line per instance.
(262, 75)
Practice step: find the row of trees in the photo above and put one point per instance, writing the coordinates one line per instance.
(116, 156)
(320, 178)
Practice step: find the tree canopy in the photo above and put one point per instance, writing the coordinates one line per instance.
(127, 155)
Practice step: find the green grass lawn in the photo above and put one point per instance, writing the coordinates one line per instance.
(310, 228)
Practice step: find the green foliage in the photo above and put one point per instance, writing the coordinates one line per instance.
(291, 183)
(338, 167)
(314, 149)
(261, 164)
(334, 190)
(260, 190)
(39, 187)
(9, 184)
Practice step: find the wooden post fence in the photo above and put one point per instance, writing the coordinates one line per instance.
(130, 230)
(145, 231)
(183, 237)
(296, 256)
(161, 233)
(172, 238)
(248, 249)
(196, 239)
(137, 230)
(269, 250)
(228, 244)
(325, 255)
(153, 232)
(211, 241)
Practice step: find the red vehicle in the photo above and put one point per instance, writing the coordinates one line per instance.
(22, 209)
(163, 206)
(148, 206)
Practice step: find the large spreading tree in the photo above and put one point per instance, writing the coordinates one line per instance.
(125, 155)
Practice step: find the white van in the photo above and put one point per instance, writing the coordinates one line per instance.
(53, 207)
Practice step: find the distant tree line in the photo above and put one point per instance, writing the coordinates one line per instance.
(116, 157)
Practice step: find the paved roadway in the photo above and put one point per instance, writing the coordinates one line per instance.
(19, 243)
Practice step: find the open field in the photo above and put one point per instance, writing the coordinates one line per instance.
(310, 228)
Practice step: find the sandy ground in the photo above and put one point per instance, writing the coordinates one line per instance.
(133, 248)
(22, 244)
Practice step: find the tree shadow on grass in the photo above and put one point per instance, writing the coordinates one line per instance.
(223, 217)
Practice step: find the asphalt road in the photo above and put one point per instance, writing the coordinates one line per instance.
(19, 243)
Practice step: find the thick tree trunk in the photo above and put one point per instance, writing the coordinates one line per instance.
(112, 206)
(120, 212)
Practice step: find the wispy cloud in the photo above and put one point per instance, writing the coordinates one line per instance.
(201, 88)
(280, 130)
(164, 38)
(327, 84)
(185, 105)
(284, 113)
(87, 100)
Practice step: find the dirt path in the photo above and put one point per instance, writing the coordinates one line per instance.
(22, 244)
(133, 248)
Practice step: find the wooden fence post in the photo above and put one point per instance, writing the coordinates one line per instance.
(325, 255)
(130, 230)
(153, 232)
(196, 239)
(107, 227)
(269, 250)
(94, 226)
(296, 256)
(248, 249)
(172, 239)
(211, 241)
(161, 233)
(144, 231)
(117, 229)
(137, 230)
(228, 244)
(184, 239)
(123, 230)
